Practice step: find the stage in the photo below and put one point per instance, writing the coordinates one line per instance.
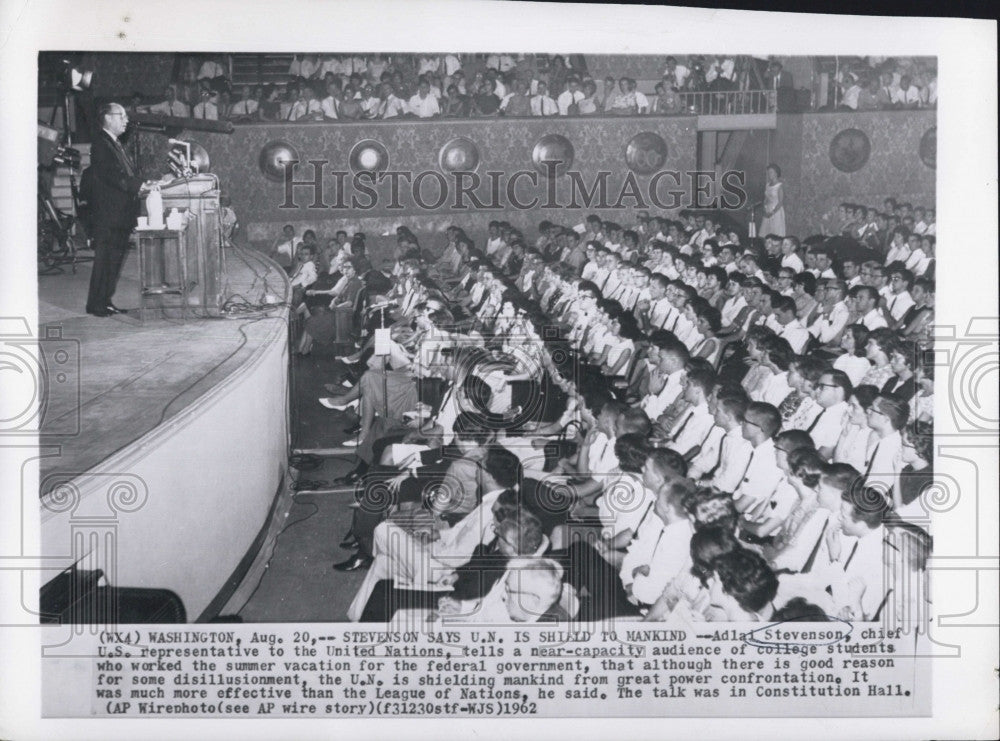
(164, 439)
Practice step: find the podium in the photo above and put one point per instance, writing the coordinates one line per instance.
(203, 279)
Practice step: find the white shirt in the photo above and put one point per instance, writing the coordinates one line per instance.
(659, 311)
(796, 334)
(793, 262)
(244, 108)
(655, 404)
(668, 558)
(392, 107)
(305, 275)
(691, 429)
(424, 107)
(874, 320)
(774, 390)
(860, 558)
(568, 98)
(855, 367)
(543, 105)
(827, 327)
(883, 461)
(762, 475)
(918, 262)
(731, 309)
(735, 451)
(899, 304)
(623, 504)
(826, 429)
(329, 106)
(174, 108)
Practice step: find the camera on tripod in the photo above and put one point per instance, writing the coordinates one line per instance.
(67, 156)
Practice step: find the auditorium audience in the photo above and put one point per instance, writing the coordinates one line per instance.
(658, 419)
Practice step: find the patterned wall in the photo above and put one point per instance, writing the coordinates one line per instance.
(893, 169)
(504, 145)
(122, 74)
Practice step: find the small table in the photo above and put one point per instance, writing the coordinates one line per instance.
(162, 270)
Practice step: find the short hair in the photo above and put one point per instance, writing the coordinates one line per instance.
(707, 544)
(783, 304)
(703, 379)
(839, 378)
(766, 416)
(779, 352)
(527, 529)
(635, 420)
(807, 464)
(868, 505)
(503, 466)
(841, 476)
(709, 506)
(865, 394)
(905, 275)
(800, 610)
(668, 463)
(807, 281)
(791, 440)
(896, 409)
(632, 449)
(734, 402)
(747, 578)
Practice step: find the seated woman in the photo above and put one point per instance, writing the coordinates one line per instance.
(903, 382)
(854, 362)
(335, 322)
(878, 350)
(917, 474)
(852, 447)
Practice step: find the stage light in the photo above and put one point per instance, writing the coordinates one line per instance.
(76, 78)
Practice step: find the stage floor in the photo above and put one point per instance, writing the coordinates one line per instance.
(125, 377)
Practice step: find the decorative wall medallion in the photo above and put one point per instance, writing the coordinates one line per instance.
(459, 155)
(928, 148)
(850, 150)
(369, 155)
(645, 153)
(552, 148)
(273, 157)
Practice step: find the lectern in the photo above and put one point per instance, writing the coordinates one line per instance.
(198, 197)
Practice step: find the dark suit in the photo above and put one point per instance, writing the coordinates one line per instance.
(114, 205)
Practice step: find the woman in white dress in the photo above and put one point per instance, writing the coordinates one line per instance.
(774, 204)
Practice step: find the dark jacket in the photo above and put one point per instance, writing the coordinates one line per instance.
(114, 186)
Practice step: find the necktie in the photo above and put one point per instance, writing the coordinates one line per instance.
(124, 157)
(635, 533)
(807, 567)
(816, 421)
(871, 461)
(851, 556)
(680, 429)
(711, 472)
(747, 469)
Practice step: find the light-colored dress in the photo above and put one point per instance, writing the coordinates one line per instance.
(775, 223)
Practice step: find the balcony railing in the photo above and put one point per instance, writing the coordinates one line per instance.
(730, 102)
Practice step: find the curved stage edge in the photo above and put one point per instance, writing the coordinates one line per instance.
(185, 506)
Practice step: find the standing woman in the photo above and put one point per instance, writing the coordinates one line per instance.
(774, 204)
